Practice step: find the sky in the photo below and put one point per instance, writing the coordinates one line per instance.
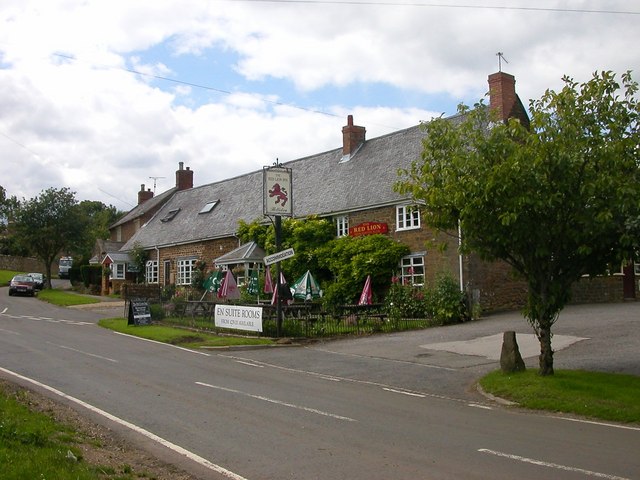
(103, 96)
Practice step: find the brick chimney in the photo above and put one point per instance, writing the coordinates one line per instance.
(184, 178)
(144, 195)
(503, 98)
(352, 138)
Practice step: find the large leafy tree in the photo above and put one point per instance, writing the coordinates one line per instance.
(50, 224)
(8, 208)
(557, 201)
(98, 218)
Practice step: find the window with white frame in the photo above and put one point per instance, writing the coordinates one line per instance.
(342, 226)
(118, 271)
(151, 273)
(412, 270)
(185, 268)
(407, 217)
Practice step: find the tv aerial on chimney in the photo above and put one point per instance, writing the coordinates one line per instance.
(500, 56)
(154, 183)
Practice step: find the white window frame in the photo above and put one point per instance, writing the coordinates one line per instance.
(412, 270)
(185, 267)
(407, 217)
(151, 273)
(118, 271)
(342, 226)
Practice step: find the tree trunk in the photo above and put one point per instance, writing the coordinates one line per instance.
(546, 352)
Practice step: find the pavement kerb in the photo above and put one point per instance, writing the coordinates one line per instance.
(493, 398)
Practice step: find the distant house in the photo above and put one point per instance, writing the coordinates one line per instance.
(127, 226)
(351, 185)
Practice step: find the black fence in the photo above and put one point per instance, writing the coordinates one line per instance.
(304, 320)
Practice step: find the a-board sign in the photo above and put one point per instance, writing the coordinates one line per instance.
(139, 312)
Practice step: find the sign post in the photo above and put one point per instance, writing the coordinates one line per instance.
(277, 201)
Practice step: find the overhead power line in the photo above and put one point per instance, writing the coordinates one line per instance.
(441, 5)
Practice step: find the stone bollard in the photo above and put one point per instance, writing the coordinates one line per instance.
(510, 358)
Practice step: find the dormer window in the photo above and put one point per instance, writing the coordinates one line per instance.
(209, 206)
(170, 215)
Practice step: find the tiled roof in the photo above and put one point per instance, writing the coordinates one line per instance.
(321, 185)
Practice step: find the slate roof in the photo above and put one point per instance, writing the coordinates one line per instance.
(144, 207)
(321, 185)
(248, 253)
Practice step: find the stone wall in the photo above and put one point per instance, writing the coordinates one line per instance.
(25, 264)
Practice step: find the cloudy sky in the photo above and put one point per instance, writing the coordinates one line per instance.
(102, 95)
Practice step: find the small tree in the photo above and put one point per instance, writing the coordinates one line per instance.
(556, 201)
(50, 224)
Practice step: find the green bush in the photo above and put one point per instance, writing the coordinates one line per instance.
(157, 311)
(446, 303)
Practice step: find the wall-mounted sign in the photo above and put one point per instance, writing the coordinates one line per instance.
(368, 228)
(277, 186)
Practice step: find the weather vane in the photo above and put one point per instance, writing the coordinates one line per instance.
(500, 59)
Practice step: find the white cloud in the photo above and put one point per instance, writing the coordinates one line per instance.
(87, 123)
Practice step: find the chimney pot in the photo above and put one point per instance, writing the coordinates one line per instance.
(353, 136)
(184, 178)
(144, 195)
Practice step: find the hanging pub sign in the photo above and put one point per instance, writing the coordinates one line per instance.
(276, 185)
(368, 228)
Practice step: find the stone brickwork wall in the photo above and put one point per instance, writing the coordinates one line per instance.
(493, 285)
(598, 290)
(25, 264)
(441, 250)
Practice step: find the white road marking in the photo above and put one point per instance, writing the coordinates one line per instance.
(166, 443)
(602, 424)
(9, 331)
(551, 465)
(477, 405)
(277, 402)
(403, 392)
(251, 364)
(163, 343)
(416, 364)
(85, 353)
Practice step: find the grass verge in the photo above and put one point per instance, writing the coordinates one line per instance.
(63, 298)
(605, 396)
(33, 445)
(180, 336)
(6, 276)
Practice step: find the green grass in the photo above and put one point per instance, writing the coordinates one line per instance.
(605, 396)
(179, 336)
(63, 298)
(34, 446)
(6, 276)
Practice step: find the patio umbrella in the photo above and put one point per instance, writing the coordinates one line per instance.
(212, 283)
(274, 298)
(252, 288)
(268, 283)
(365, 296)
(229, 288)
(306, 287)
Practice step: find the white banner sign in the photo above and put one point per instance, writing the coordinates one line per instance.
(239, 317)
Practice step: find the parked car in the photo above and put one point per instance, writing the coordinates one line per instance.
(22, 284)
(38, 278)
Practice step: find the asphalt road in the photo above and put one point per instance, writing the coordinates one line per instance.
(400, 406)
